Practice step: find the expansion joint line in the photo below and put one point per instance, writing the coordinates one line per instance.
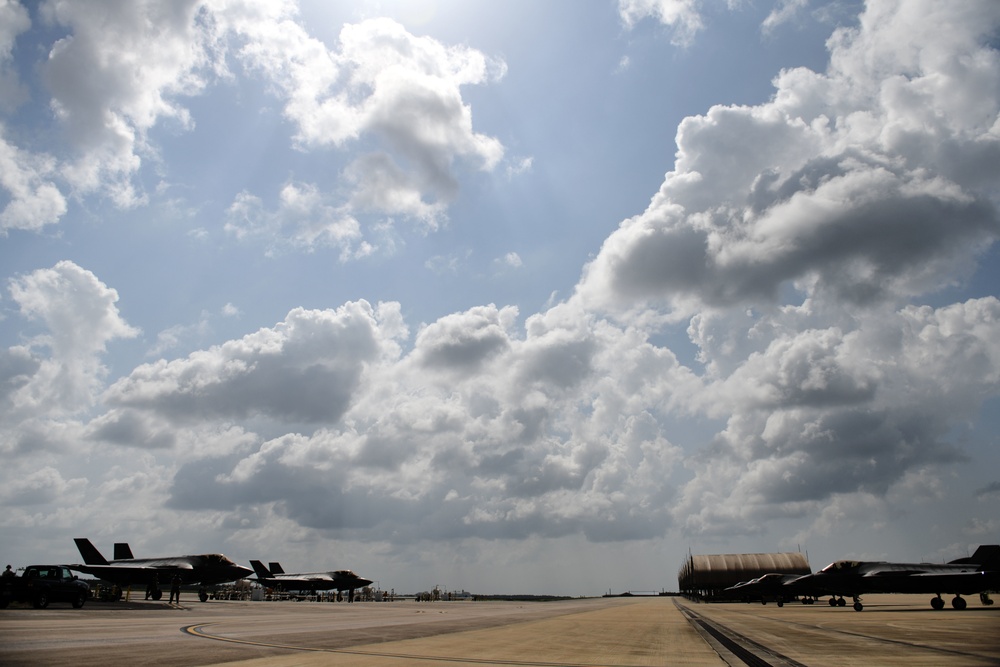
(740, 647)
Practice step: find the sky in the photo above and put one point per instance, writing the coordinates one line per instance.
(512, 297)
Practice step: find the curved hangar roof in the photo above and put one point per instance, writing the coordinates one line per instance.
(727, 569)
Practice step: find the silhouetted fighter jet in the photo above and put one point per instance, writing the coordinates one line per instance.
(776, 587)
(276, 577)
(979, 573)
(125, 570)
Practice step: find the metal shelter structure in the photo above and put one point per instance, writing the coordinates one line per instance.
(706, 576)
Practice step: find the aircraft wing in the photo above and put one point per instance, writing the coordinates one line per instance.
(124, 575)
(962, 583)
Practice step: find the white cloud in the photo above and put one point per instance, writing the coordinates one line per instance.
(118, 72)
(124, 68)
(816, 188)
(683, 16)
(520, 166)
(80, 318)
(304, 370)
(14, 20)
(384, 82)
(41, 487)
(784, 11)
(511, 259)
(794, 242)
(305, 217)
(35, 201)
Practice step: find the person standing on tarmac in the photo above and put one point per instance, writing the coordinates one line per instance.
(8, 572)
(175, 589)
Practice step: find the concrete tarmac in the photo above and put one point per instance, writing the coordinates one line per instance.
(892, 630)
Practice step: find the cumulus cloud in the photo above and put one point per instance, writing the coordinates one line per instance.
(382, 82)
(477, 431)
(791, 241)
(125, 68)
(41, 487)
(64, 373)
(791, 236)
(304, 217)
(305, 369)
(34, 199)
(846, 183)
(119, 71)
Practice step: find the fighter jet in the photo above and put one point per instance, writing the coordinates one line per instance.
(341, 580)
(773, 587)
(979, 573)
(125, 570)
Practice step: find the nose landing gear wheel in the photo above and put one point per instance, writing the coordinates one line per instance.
(937, 603)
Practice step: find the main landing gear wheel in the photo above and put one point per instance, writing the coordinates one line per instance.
(857, 604)
(841, 602)
(958, 603)
(937, 603)
(833, 602)
(203, 595)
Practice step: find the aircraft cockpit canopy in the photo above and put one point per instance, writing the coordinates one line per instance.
(841, 566)
(217, 559)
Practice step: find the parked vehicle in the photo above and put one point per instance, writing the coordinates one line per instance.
(42, 584)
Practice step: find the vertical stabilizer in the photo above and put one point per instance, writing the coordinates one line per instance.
(276, 568)
(123, 551)
(262, 572)
(987, 556)
(91, 556)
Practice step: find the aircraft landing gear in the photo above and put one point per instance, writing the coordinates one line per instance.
(985, 599)
(958, 603)
(937, 603)
(841, 602)
(857, 603)
(203, 595)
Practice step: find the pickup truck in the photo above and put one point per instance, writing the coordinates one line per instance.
(42, 584)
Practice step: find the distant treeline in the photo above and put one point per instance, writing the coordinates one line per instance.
(525, 598)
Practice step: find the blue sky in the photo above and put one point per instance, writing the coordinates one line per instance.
(482, 293)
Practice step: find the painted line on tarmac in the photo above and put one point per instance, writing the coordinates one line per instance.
(198, 631)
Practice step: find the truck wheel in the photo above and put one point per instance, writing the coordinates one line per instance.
(41, 601)
(79, 600)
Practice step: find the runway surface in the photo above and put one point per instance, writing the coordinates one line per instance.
(892, 630)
